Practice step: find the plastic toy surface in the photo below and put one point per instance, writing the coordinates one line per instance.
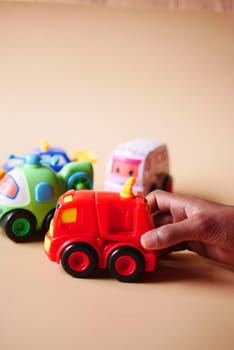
(45, 151)
(2, 173)
(29, 193)
(144, 159)
(98, 229)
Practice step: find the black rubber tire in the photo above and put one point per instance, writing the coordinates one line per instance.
(19, 225)
(46, 222)
(127, 256)
(72, 256)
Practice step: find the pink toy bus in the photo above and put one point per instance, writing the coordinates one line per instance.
(144, 159)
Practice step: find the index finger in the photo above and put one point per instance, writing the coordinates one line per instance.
(165, 201)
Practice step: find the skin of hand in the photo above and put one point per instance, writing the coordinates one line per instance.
(186, 222)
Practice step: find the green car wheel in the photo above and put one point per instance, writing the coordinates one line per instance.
(79, 181)
(19, 225)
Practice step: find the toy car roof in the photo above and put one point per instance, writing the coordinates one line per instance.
(137, 148)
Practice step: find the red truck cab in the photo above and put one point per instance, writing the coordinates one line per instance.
(100, 229)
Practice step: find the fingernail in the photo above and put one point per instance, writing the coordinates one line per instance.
(148, 240)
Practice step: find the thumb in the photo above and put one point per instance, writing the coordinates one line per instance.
(169, 235)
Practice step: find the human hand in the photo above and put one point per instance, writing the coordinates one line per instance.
(186, 222)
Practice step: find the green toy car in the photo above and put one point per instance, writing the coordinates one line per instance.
(29, 193)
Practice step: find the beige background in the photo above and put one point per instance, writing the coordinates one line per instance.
(93, 77)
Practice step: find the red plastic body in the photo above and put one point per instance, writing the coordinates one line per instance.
(104, 221)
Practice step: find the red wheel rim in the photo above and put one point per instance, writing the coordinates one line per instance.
(79, 261)
(125, 265)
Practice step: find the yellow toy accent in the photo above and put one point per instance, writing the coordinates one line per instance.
(47, 244)
(127, 191)
(85, 156)
(2, 173)
(44, 145)
(69, 215)
(51, 228)
(68, 199)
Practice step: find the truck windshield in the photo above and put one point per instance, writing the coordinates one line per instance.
(8, 187)
(13, 188)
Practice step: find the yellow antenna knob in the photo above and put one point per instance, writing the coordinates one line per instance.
(127, 191)
(44, 145)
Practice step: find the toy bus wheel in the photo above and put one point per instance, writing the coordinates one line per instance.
(46, 222)
(79, 181)
(19, 225)
(82, 184)
(79, 260)
(126, 264)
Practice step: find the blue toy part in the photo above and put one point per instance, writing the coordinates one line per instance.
(11, 164)
(61, 155)
(51, 161)
(43, 192)
(35, 159)
(31, 158)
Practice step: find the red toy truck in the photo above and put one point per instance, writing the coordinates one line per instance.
(93, 229)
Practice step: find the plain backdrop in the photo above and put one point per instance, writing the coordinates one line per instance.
(92, 77)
